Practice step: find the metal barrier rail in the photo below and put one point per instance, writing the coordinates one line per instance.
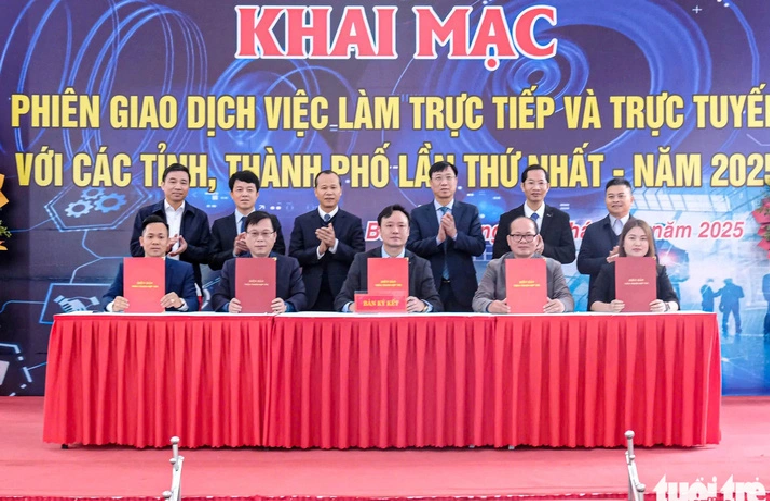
(175, 494)
(635, 487)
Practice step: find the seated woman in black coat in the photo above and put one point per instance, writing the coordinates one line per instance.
(635, 241)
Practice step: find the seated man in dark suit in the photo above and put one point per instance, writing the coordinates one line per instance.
(394, 229)
(228, 235)
(325, 241)
(448, 233)
(553, 224)
(180, 284)
(523, 239)
(188, 226)
(600, 241)
(260, 238)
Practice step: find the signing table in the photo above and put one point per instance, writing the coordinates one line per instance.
(342, 380)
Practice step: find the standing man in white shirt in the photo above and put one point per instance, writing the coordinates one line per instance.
(324, 241)
(600, 241)
(188, 226)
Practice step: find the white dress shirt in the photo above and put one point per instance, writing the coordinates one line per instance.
(174, 221)
(333, 249)
(540, 212)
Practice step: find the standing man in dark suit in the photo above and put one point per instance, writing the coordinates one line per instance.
(447, 232)
(600, 241)
(325, 241)
(188, 226)
(553, 224)
(260, 239)
(228, 235)
(394, 229)
(180, 284)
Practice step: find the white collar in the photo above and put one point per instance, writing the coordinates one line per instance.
(437, 206)
(623, 220)
(333, 213)
(239, 215)
(167, 207)
(385, 254)
(540, 212)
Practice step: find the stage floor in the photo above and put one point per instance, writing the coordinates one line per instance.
(28, 467)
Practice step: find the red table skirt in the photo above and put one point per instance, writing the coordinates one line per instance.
(140, 380)
(351, 381)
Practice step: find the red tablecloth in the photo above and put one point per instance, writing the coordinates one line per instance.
(115, 379)
(353, 381)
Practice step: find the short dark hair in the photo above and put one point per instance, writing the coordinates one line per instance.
(327, 171)
(388, 212)
(176, 168)
(529, 169)
(617, 181)
(441, 167)
(255, 217)
(244, 176)
(534, 224)
(151, 219)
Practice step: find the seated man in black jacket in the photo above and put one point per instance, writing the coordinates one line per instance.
(260, 238)
(394, 228)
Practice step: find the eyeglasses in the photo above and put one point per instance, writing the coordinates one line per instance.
(526, 237)
(440, 179)
(263, 234)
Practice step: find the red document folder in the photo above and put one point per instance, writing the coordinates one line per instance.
(635, 282)
(526, 288)
(388, 275)
(144, 283)
(255, 283)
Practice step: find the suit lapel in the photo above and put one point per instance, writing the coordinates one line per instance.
(230, 232)
(430, 213)
(547, 216)
(411, 275)
(169, 274)
(457, 212)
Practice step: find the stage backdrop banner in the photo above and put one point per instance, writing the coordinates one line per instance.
(98, 98)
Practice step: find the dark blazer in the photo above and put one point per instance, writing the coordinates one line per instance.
(604, 287)
(179, 279)
(598, 241)
(558, 241)
(194, 228)
(223, 235)
(288, 283)
(421, 283)
(303, 244)
(459, 252)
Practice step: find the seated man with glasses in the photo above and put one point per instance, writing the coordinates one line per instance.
(260, 238)
(523, 239)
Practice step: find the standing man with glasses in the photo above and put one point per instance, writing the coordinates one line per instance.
(325, 241)
(260, 238)
(600, 241)
(522, 240)
(229, 233)
(553, 224)
(447, 232)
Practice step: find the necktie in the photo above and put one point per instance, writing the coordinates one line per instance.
(445, 273)
(243, 221)
(535, 216)
(327, 217)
